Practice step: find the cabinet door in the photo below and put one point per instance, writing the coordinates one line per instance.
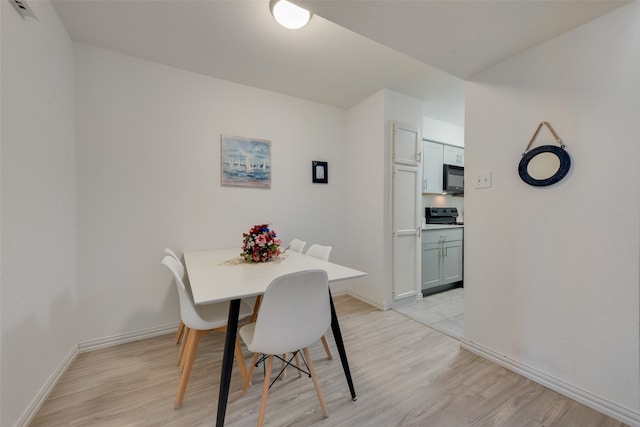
(406, 144)
(453, 155)
(432, 167)
(452, 262)
(405, 222)
(431, 254)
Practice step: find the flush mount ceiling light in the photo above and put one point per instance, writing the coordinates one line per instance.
(288, 14)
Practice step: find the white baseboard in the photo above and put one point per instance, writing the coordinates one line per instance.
(591, 400)
(374, 303)
(37, 402)
(111, 341)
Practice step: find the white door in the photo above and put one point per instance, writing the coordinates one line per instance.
(405, 210)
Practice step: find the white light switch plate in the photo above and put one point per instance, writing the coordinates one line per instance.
(483, 180)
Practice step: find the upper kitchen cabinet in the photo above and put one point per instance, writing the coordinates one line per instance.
(432, 155)
(406, 144)
(453, 155)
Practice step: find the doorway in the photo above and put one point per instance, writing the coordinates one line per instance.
(443, 312)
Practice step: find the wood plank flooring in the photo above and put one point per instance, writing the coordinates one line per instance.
(405, 373)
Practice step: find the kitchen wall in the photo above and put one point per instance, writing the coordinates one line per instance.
(439, 131)
(149, 177)
(447, 133)
(39, 294)
(551, 274)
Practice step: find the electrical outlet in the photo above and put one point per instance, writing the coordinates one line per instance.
(483, 180)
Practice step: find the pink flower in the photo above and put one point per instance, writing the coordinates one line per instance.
(261, 240)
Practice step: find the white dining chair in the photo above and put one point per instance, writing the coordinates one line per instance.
(296, 245)
(200, 320)
(180, 330)
(319, 251)
(323, 253)
(294, 314)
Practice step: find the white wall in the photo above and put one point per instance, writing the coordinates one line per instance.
(365, 183)
(38, 213)
(551, 274)
(369, 221)
(439, 131)
(149, 177)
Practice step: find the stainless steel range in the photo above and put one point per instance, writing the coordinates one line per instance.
(441, 216)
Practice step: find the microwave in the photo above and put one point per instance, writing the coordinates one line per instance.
(453, 180)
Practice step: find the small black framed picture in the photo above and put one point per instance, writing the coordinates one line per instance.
(320, 172)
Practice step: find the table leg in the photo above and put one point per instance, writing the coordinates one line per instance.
(337, 335)
(227, 360)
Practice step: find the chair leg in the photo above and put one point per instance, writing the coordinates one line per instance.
(316, 384)
(179, 332)
(183, 345)
(187, 348)
(265, 390)
(192, 346)
(256, 307)
(241, 363)
(247, 382)
(327, 349)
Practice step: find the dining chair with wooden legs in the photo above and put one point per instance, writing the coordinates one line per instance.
(180, 330)
(294, 314)
(200, 320)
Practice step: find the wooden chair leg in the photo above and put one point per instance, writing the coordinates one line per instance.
(192, 347)
(241, 363)
(183, 345)
(256, 307)
(265, 390)
(187, 348)
(316, 384)
(327, 349)
(179, 332)
(247, 382)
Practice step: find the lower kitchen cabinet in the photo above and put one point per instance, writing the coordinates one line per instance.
(441, 257)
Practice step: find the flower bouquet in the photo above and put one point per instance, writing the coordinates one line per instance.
(260, 244)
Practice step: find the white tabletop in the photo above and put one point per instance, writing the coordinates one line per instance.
(220, 275)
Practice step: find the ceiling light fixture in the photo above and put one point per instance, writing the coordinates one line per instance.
(288, 14)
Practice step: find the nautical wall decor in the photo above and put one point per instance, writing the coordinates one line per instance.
(245, 162)
(544, 165)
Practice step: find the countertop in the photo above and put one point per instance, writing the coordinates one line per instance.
(440, 226)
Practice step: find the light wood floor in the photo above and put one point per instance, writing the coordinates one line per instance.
(405, 373)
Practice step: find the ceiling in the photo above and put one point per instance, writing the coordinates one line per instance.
(419, 48)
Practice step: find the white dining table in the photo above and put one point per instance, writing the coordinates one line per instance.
(218, 275)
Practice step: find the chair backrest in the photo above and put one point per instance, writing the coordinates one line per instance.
(188, 312)
(319, 251)
(295, 312)
(297, 245)
(185, 278)
(173, 254)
